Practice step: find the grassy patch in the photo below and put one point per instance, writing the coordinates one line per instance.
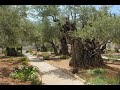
(101, 76)
(97, 71)
(102, 80)
(27, 73)
(97, 81)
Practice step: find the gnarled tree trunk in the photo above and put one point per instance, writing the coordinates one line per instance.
(85, 54)
(54, 47)
(14, 52)
(11, 51)
(64, 47)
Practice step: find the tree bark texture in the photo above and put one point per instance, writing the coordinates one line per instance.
(64, 47)
(54, 48)
(85, 54)
(13, 51)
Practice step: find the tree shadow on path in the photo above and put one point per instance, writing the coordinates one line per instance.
(60, 73)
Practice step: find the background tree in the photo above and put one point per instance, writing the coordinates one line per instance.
(11, 27)
(52, 13)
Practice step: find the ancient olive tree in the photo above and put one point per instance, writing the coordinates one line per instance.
(91, 38)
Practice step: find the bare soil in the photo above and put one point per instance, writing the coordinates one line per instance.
(60, 63)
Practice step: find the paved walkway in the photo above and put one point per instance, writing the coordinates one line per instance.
(52, 75)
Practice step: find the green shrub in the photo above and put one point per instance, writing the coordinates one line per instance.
(64, 57)
(45, 56)
(24, 60)
(27, 74)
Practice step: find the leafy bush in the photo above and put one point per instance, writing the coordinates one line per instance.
(24, 60)
(64, 57)
(45, 56)
(27, 74)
